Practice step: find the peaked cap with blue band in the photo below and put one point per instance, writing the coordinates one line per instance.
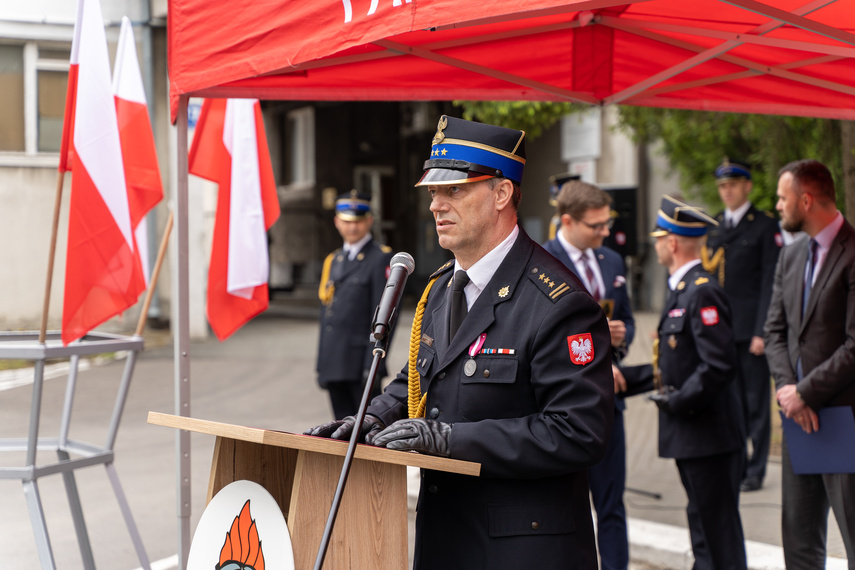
(466, 151)
(556, 182)
(728, 170)
(680, 219)
(352, 206)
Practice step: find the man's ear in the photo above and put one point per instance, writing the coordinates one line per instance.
(504, 192)
(566, 219)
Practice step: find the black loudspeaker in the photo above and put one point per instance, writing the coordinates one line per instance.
(623, 237)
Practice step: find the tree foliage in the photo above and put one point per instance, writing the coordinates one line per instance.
(695, 142)
(533, 117)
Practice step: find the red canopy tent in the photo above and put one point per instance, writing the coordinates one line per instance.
(789, 57)
(785, 57)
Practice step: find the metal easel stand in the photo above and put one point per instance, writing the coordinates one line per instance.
(71, 454)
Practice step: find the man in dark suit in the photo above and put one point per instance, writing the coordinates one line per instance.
(700, 414)
(741, 252)
(810, 345)
(585, 217)
(352, 283)
(510, 367)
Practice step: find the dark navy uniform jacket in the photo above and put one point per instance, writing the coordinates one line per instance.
(613, 270)
(535, 417)
(697, 356)
(750, 254)
(345, 350)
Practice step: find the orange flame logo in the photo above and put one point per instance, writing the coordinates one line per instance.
(242, 549)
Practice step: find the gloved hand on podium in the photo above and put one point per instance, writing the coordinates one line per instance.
(343, 428)
(419, 434)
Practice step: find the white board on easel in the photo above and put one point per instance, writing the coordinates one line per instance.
(242, 528)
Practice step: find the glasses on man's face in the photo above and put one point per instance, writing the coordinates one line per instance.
(599, 227)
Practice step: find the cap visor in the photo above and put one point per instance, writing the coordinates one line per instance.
(659, 232)
(351, 217)
(440, 176)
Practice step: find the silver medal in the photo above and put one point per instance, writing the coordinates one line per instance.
(470, 367)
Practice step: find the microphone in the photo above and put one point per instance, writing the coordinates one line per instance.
(400, 267)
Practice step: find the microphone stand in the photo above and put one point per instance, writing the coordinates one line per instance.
(379, 353)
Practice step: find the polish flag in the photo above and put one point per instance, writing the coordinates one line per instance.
(142, 173)
(102, 276)
(230, 148)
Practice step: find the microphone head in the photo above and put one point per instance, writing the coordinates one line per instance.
(404, 260)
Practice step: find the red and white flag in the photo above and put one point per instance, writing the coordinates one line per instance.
(139, 155)
(102, 275)
(230, 148)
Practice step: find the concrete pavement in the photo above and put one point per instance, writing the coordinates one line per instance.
(264, 376)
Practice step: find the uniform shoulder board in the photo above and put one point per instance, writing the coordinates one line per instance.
(701, 280)
(770, 214)
(385, 249)
(547, 284)
(443, 269)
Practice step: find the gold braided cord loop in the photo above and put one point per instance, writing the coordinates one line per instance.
(326, 289)
(415, 400)
(712, 263)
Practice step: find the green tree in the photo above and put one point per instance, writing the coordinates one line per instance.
(533, 117)
(695, 142)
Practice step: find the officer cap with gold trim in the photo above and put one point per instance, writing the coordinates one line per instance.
(731, 170)
(352, 206)
(466, 151)
(556, 181)
(680, 219)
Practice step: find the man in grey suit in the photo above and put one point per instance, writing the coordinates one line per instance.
(810, 346)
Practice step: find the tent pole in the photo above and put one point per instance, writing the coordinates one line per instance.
(181, 336)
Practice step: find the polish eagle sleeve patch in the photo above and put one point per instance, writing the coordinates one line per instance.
(581, 347)
(709, 316)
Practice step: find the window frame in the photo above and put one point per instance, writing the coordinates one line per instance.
(32, 65)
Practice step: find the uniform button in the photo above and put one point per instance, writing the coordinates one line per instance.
(487, 373)
(534, 269)
(535, 525)
(433, 489)
(441, 375)
(434, 413)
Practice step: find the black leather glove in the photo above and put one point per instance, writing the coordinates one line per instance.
(343, 428)
(424, 436)
(663, 401)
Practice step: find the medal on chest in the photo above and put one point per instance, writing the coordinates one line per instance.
(470, 366)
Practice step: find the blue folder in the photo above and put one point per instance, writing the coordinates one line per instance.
(829, 450)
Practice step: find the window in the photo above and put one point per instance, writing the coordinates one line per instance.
(12, 96)
(299, 152)
(33, 84)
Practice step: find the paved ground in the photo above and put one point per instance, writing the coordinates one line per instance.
(263, 376)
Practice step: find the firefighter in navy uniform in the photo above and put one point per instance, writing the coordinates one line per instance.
(741, 252)
(352, 283)
(524, 386)
(700, 414)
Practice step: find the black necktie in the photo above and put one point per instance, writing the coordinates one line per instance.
(458, 302)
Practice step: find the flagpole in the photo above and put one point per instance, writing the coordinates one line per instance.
(155, 273)
(51, 255)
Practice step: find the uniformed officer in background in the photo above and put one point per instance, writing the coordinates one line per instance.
(700, 414)
(352, 283)
(585, 216)
(556, 182)
(742, 252)
(510, 367)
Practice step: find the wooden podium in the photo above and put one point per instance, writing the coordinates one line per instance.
(302, 472)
